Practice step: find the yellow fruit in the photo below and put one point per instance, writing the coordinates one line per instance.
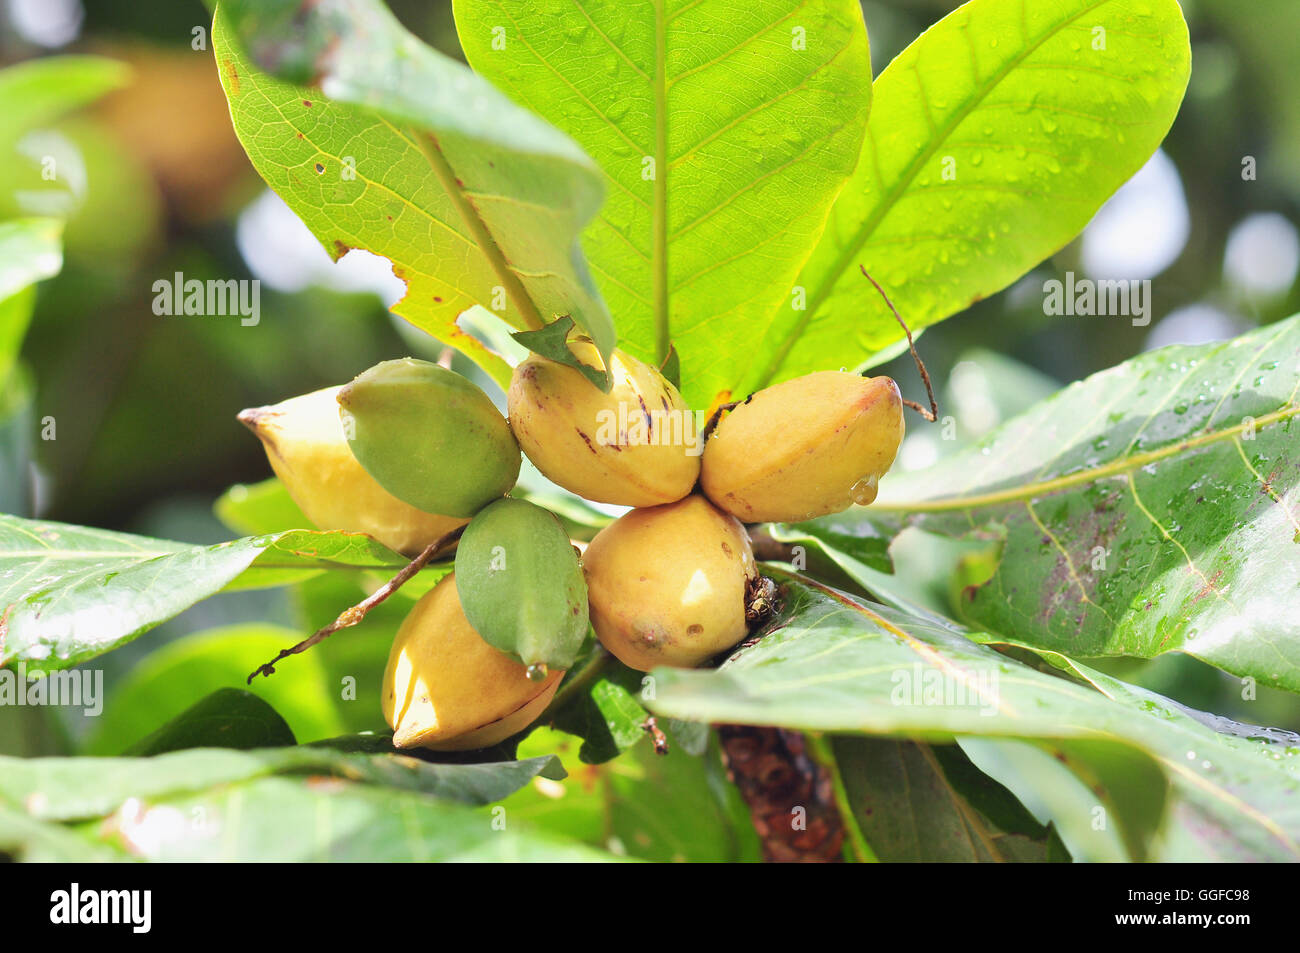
(303, 438)
(805, 448)
(667, 584)
(638, 445)
(448, 690)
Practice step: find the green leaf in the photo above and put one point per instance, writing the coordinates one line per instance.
(908, 800)
(552, 342)
(831, 663)
(69, 593)
(228, 718)
(17, 428)
(1079, 787)
(672, 807)
(599, 702)
(993, 139)
(165, 683)
(258, 508)
(282, 819)
(1147, 509)
(1226, 809)
(38, 91)
(752, 116)
(268, 804)
(26, 839)
(30, 251)
(409, 155)
(70, 789)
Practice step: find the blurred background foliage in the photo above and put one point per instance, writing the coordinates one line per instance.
(146, 439)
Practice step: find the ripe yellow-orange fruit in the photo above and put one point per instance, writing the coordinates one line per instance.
(667, 585)
(448, 690)
(804, 448)
(304, 441)
(638, 445)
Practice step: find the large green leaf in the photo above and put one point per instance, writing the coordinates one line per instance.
(70, 789)
(993, 139)
(753, 116)
(1150, 508)
(69, 593)
(270, 804)
(378, 142)
(832, 663)
(280, 819)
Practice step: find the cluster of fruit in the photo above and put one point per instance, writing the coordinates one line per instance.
(410, 452)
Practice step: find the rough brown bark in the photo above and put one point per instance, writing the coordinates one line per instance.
(776, 775)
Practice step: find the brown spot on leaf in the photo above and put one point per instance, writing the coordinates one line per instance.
(307, 103)
(340, 249)
(1210, 586)
(232, 77)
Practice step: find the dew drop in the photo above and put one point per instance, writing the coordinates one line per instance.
(864, 491)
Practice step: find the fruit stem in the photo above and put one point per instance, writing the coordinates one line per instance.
(354, 614)
(933, 413)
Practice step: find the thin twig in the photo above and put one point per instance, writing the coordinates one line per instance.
(933, 413)
(353, 615)
(651, 727)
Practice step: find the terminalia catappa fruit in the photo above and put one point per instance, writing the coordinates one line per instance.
(304, 441)
(445, 688)
(805, 448)
(429, 436)
(668, 584)
(635, 446)
(520, 584)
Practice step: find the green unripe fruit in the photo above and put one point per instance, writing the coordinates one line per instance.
(304, 441)
(429, 437)
(521, 586)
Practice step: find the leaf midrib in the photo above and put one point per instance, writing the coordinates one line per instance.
(429, 148)
(1027, 491)
(659, 253)
(845, 259)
